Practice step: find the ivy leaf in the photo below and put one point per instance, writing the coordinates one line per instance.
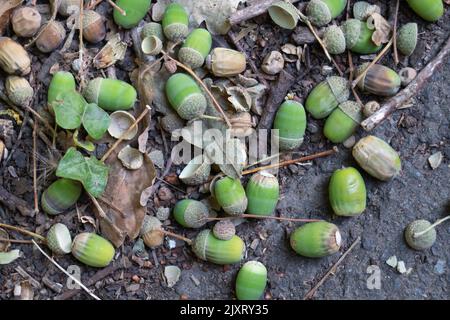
(10, 256)
(85, 144)
(92, 173)
(95, 120)
(68, 108)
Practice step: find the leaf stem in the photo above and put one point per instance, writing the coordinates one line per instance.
(177, 236)
(24, 231)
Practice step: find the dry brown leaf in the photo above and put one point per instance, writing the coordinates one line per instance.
(6, 8)
(113, 51)
(382, 29)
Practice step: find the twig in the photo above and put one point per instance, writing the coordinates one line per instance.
(177, 236)
(394, 36)
(81, 45)
(92, 6)
(171, 185)
(64, 270)
(331, 271)
(45, 122)
(412, 89)
(15, 241)
(421, 233)
(255, 216)
(24, 231)
(35, 192)
(13, 202)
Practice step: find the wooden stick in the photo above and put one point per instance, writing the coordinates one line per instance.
(177, 236)
(24, 231)
(16, 241)
(406, 94)
(13, 202)
(394, 36)
(35, 192)
(255, 216)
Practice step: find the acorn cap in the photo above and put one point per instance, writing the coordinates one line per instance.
(424, 241)
(352, 109)
(151, 45)
(339, 87)
(191, 57)
(370, 108)
(224, 230)
(152, 29)
(284, 14)
(352, 31)
(407, 38)
(196, 171)
(68, 7)
(150, 232)
(251, 281)
(19, 90)
(190, 213)
(362, 10)
(334, 40)
(318, 13)
(196, 48)
(59, 239)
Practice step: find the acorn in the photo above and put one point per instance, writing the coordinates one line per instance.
(59, 239)
(68, 7)
(326, 96)
(262, 192)
(407, 38)
(429, 10)
(13, 57)
(251, 281)
(347, 192)
(110, 94)
(209, 248)
(316, 239)
(379, 80)
(358, 37)
(224, 230)
(196, 171)
(363, 10)
(93, 250)
(26, 21)
(377, 158)
(230, 195)
(175, 22)
(152, 29)
(190, 213)
(94, 29)
(321, 12)
(225, 62)
(423, 241)
(135, 11)
(51, 36)
(343, 122)
(290, 121)
(195, 48)
(60, 196)
(61, 82)
(185, 96)
(151, 232)
(284, 14)
(19, 90)
(334, 40)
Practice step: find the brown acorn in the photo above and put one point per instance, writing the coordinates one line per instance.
(26, 21)
(68, 7)
(51, 36)
(94, 29)
(13, 57)
(379, 80)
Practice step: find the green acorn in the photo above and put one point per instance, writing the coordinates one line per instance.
(379, 80)
(110, 94)
(423, 241)
(284, 14)
(224, 62)
(430, 10)
(358, 37)
(326, 96)
(175, 22)
(61, 82)
(224, 230)
(407, 38)
(321, 12)
(290, 121)
(230, 195)
(59, 239)
(316, 239)
(377, 158)
(262, 192)
(190, 213)
(347, 192)
(334, 40)
(93, 250)
(19, 90)
(363, 10)
(185, 96)
(196, 48)
(196, 171)
(60, 196)
(251, 281)
(135, 12)
(152, 29)
(151, 232)
(343, 122)
(209, 248)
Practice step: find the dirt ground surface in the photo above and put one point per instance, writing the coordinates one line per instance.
(417, 193)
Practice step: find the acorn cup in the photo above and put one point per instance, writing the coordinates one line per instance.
(316, 239)
(60, 196)
(251, 281)
(19, 90)
(135, 11)
(343, 122)
(152, 45)
(61, 82)
(92, 250)
(326, 96)
(377, 158)
(13, 57)
(196, 48)
(230, 195)
(262, 192)
(185, 96)
(26, 21)
(110, 94)
(151, 232)
(209, 248)
(284, 14)
(407, 38)
(223, 62)
(321, 12)
(379, 80)
(347, 192)
(334, 40)
(423, 241)
(429, 10)
(224, 230)
(59, 239)
(152, 29)
(363, 10)
(196, 171)
(290, 121)
(190, 213)
(175, 22)
(68, 7)
(51, 36)
(94, 29)
(358, 37)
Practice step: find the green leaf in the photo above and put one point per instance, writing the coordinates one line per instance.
(68, 108)
(95, 120)
(85, 144)
(92, 173)
(8, 257)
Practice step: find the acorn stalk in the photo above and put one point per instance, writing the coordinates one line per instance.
(321, 12)
(59, 239)
(175, 22)
(429, 10)
(93, 250)
(290, 121)
(13, 57)
(262, 193)
(358, 37)
(195, 48)
(225, 62)
(60, 196)
(135, 11)
(110, 94)
(230, 195)
(343, 122)
(190, 213)
(379, 80)
(251, 281)
(347, 192)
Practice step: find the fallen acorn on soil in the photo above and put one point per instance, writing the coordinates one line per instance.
(407, 38)
(51, 36)
(251, 281)
(343, 122)
(262, 192)
(195, 48)
(59, 240)
(151, 232)
(377, 158)
(284, 14)
(334, 40)
(423, 241)
(175, 22)
(430, 10)
(19, 90)
(316, 239)
(135, 11)
(224, 62)
(230, 195)
(60, 196)
(61, 82)
(190, 213)
(26, 21)
(224, 230)
(110, 94)
(14, 59)
(347, 192)
(290, 121)
(94, 29)
(358, 37)
(379, 80)
(92, 250)
(321, 12)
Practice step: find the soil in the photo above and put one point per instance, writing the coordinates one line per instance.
(417, 193)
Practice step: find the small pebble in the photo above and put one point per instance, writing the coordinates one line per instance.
(392, 261)
(439, 267)
(312, 127)
(350, 142)
(163, 213)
